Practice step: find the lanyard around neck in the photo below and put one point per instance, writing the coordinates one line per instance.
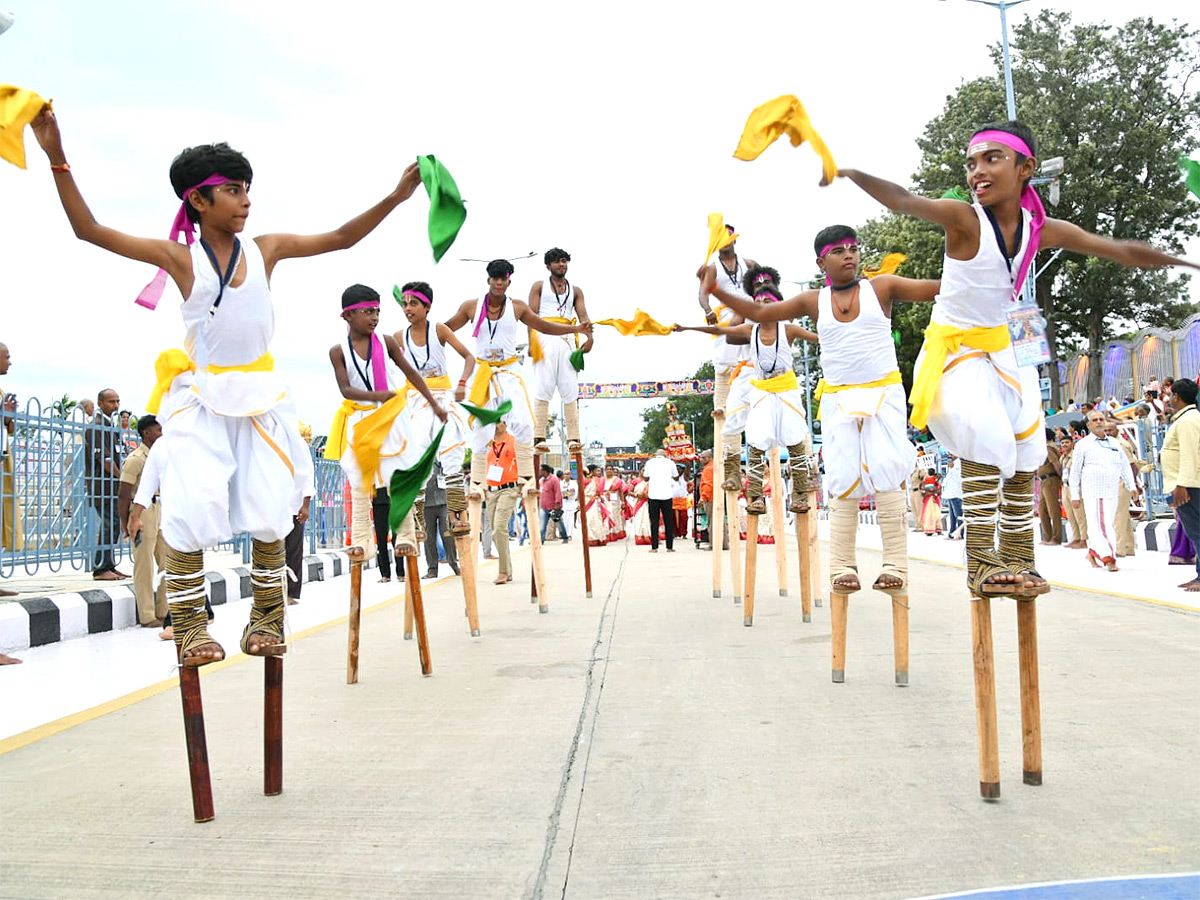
(1008, 259)
(228, 276)
(354, 359)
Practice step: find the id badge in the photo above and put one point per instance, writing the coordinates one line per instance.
(441, 481)
(496, 474)
(1027, 329)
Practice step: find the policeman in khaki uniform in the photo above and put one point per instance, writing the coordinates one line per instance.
(150, 550)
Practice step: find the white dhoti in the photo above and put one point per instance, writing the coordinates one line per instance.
(233, 448)
(866, 446)
(554, 371)
(504, 383)
(391, 453)
(775, 419)
(737, 406)
(1101, 513)
(987, 409)
(422, 426)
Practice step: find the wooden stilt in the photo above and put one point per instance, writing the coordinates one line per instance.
(272, 725)
(900, 637)
(355, 619)
(412, 584)
(408, 601)
(466, 566)
(1031, 705)
(539, 564)
(735, 545)
(839, 605)
(475, 508)
(751, 570)
(805, 554)
(197, 746)
(779, 529)
(817, 570)
(534, 523)
(985, 698)
(583, 533)
(716, 527)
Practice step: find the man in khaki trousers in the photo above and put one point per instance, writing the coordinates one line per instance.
(1075, 517)
(150, 549)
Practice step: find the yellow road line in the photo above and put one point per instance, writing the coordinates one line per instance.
(37, 733)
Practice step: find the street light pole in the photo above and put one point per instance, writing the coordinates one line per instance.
(1003, 6)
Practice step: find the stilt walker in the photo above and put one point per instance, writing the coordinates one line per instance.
(498, 391)
(979, 392)
(862, 414)
(381, 433)
(231, 438)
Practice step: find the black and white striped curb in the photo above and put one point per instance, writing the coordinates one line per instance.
(36, 621)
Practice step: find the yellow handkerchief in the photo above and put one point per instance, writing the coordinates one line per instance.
(887, 266)
(718, 235)
(18, 107)
(639, 326)
(775, 118)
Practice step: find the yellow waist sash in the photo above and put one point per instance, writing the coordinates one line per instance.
(777, 385)
(536, 354)
(478, 395)
(940, 342)
(440, 383)
(371, 431)
(335, 445)
(824, 387)
(173, 363)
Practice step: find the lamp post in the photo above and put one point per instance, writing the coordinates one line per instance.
(1003, 6)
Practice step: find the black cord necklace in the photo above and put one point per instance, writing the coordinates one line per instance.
(228, 276)
(835, 288)
(354, 360)
(412, 348)
(487, 318)
(758, 349)
(559, 298)
(735, 275)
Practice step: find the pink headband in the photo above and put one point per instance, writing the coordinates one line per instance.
(153, 292)
(845, 242)
(366, 304)
(419, 296)
(761, 277)
(1029, 200)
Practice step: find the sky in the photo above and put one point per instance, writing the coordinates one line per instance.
(605, 129)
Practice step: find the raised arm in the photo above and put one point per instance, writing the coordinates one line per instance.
(745, 330)
(413, 376)
(451, 339)
(951, 215)
(287, 246)
(338, 359)
(528, 317)
(169, 255)
(1057, 233)
(464, 315)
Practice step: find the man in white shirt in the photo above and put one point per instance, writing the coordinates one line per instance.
(660, 474)
(1098, 465)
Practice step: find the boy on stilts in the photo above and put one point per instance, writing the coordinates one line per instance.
(230, 429)
(862, 404)
(369, 434)
(553, 368)
(979, 402)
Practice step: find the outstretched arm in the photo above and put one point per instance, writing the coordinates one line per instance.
(951, 215)
(796, 333)
(287, 246)
(528, 317)
(803, 304)
(893, 288)
(413, 376)
(744, 331)
(448, 337)
(168, 255)
(1057, 233)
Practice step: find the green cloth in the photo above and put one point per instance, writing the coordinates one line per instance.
(408, 483)
(577, 360)
(488, 416)
(956, 193)
(446, 210)
(1191, 174)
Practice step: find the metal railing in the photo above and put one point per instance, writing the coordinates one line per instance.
(56, 490)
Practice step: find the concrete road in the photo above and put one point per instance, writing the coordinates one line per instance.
(642, 743)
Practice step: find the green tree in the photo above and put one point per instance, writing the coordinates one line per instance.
(1117, 103)
(693, 412)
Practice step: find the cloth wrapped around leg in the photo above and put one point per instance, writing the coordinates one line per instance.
(981, 490)
(525, 471)
(843, 560)
(893, 528)
(362, 531)
(268, 573)
(571, 415)
(541, 413)
(184, 578)
(733, 467)
(478, 474)
(801, 477)
(756, 505)
(405, 538)
(419, 516)
(1016, 531)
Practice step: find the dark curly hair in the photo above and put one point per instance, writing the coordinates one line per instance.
(500, 268)
(754, 274)
(195, 164)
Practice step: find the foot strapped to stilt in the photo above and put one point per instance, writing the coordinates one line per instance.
(184, 578)
(268, 579)
(893, 571)
(838, 586)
